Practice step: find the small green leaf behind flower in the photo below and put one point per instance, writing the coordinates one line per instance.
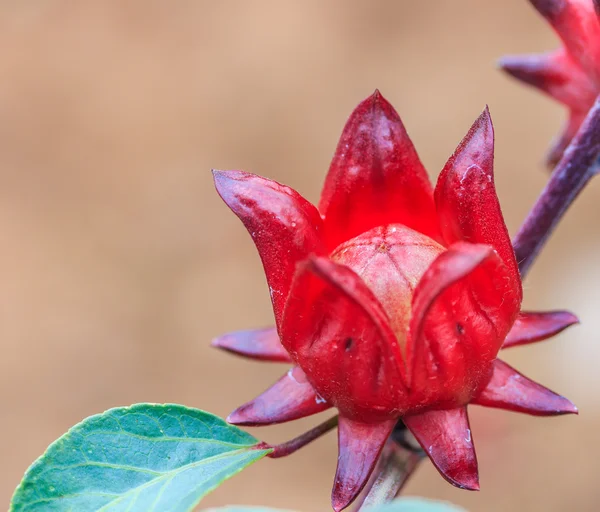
(416, 505)
(143, 458)
(399, 505)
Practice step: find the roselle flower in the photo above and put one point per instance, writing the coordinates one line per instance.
(391, 300)
(570, 74)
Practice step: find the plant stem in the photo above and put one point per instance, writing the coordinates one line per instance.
(396, 464)
(577, 166)
(289, 447)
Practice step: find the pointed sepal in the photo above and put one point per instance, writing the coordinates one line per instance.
(466, 199)
(549, 9)
(554, 73)
(531, 326)
(376, 177)
(510, 390)
(339, 332)
(445, 435)
(462, 309)
(259, 344)
(576, 23)
(285, 227)
(290, 398)
(359, 447)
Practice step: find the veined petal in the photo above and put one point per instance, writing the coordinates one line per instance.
(285, 227)
(445, 436)
(466, 200)
(290, 398)
(376, 177)
(260, 344)
(359, 447)
(337, 330)
(462, 310)
(530, 327)
(576, 23)
(554, 73)
(510, 390)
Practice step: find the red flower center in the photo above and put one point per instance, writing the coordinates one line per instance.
(390, 260)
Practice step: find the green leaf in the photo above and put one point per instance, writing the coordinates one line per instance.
(244, 508)
(399, 505)
(416, 505)
(145, 458)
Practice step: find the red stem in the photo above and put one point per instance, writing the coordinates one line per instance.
(577, 166)
(289, 447)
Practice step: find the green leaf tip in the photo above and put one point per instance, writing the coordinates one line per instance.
(146, 457)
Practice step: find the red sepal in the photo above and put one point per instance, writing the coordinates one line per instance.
(359, 447)
(338, 332)
(463, 307)
(376, 177)
(576, 23)
(259, 344)
(290, 398)
(285, 227)
(554, 73)
(466, 200)
(530, 327)
(445, 436)
(510, 390)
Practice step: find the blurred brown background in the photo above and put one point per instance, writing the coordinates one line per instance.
(119, 263)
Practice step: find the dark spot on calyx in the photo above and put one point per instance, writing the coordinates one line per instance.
(348, 344)
(460, 329)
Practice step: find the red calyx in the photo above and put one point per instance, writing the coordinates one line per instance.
(570, 74)
(391, 300)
